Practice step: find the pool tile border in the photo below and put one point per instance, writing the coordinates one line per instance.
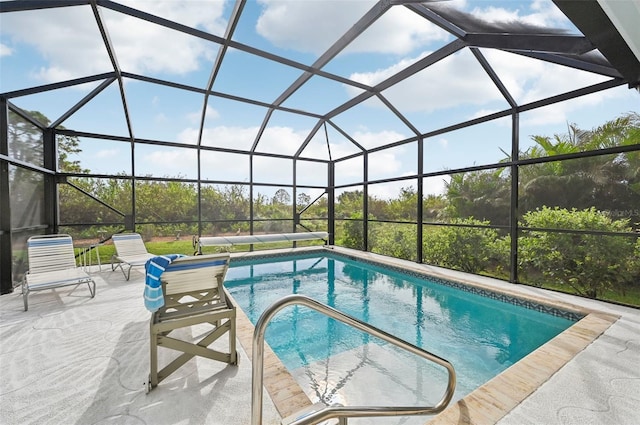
(491, 401)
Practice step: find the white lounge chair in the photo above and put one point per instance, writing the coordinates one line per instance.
(130, 251)
(194, 294)
(52, 264)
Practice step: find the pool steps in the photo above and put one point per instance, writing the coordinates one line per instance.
(311, 416)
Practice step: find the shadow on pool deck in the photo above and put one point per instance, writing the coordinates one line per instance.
(73, 359)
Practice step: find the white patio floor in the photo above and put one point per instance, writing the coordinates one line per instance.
(72, 359)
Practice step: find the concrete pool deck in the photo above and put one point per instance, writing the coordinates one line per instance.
(73, 359)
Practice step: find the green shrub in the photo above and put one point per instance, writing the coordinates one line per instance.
(588, 264)
(353, 236)
(393, 239)
(470, 249)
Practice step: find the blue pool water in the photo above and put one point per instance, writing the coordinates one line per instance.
(480, 336)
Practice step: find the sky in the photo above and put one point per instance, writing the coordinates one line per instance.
(52, 45)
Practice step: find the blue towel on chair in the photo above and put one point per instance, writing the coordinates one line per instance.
(154, 267)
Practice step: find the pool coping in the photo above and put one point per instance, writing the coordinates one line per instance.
(486, 404)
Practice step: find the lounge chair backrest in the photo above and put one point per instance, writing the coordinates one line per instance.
(129, 244)
(50, 253)
(194, 283)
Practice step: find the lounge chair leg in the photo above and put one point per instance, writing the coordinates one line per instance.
(233, 353)
(25, 294)
(92, 290)
(126, 274)
(153, 346)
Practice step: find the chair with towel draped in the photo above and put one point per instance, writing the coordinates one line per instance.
(192, 293)
(52, 264)
(130, 252)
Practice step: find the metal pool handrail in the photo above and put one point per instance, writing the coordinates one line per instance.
(341, 412)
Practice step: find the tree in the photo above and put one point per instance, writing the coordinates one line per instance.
(405, 206)
(230, 203)
(303, 200)
(433, 207)
(606, 182)
(68, 145)
(281, 197)
(353, 235)
(348, 204)
(25, 140)
(484, 195)
(27, 143)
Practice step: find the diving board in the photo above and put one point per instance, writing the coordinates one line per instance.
(255, 239)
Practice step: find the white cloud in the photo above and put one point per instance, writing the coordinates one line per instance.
(5, 50)
(224, 166)
(342, 149)
(308, 26)
(284, 140)
(272, 170)
(68, 39)
(63, 37)
(368, 139)
(543, 13)
(195, 116)
(374, 77)
(338, 146)
(435, 185)
(561, 113)
(454, 81)
(313, 26)
(206, 15)
(384, 164)
(458, 80)
(529, 80)
(495, 14)
(172, 162)
(400, 31)
(390, 190)
(483, 113)
(222, 136)
(160, 118)
(212, 113)
(108, 153)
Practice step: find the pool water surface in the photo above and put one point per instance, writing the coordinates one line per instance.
(480, 336)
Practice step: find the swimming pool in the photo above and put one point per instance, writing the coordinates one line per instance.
(481, 336)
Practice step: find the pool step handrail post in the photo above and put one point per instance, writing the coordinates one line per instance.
(340, 412)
